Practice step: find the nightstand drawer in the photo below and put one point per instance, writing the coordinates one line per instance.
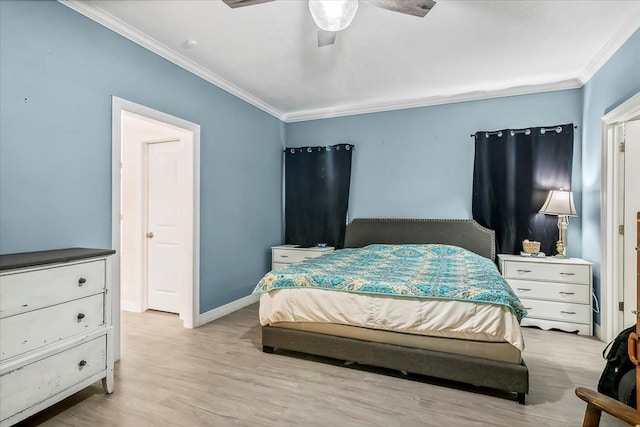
(548, 272)
(565, 312)
(277, 265)
(562, 292)
(292, 256)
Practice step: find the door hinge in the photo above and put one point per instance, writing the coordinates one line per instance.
(621, 229)
(622, 147)
(621, 306)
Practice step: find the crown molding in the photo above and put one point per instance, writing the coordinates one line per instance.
(103, 18)
(107, 20)
(351, 110)
(630, 26)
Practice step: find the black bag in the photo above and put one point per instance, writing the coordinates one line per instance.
(618, 364)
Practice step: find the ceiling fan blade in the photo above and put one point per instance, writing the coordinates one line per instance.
(410, 7)
(326, 38)
(241, 3)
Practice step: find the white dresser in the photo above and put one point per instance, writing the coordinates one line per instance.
(292, 254)
(555, 291)
(56, 333)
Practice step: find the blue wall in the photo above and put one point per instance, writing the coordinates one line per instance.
(418, 163)
(59, 71)
(617, 81)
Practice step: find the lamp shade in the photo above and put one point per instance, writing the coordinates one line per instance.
(333, 15)
(559, 202)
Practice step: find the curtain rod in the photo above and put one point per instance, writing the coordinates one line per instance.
(556, 129)
(336, 147)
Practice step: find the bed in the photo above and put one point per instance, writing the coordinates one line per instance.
(466, 341)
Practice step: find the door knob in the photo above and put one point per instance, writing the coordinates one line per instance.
(150, 235)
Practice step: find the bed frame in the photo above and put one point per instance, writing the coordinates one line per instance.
(467, 234)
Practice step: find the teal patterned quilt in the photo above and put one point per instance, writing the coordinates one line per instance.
(418, 271)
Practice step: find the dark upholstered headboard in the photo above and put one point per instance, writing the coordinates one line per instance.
(465, 233)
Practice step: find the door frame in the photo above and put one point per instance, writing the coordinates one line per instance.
(192, 295)
(610, 201)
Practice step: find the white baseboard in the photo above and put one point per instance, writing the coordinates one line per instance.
(130, 306)
(217, 313)
(597, 331)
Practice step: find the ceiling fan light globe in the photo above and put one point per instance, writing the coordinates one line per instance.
(333, 15)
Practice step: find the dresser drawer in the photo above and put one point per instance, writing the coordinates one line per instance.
(563, 292)
(33, 383)
(292, 256)
(566, 312)
(29, 331)
(549, 272)
(25, 291)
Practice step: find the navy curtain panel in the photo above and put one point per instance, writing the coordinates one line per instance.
(317, 183)
(514, 169)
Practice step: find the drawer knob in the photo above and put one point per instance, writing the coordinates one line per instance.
(284, 256)
(528, 308)
(567, 274)
(524, 289)
(82, 363)
(80, 316)
(567, 312)
(567, 293)
(81, 281)
(524, 271)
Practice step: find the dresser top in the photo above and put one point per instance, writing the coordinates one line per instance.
(31, 259)
(546, 259)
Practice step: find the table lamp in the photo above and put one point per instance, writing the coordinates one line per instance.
(560, 203)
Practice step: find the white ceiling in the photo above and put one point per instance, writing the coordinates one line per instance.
(267, 54)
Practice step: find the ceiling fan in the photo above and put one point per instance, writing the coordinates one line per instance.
(332, 16)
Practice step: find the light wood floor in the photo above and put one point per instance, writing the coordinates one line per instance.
(216, 375)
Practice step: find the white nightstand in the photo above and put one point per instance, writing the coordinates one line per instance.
(555, 291)
(292, 254)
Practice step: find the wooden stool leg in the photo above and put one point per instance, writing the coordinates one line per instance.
(591, 416)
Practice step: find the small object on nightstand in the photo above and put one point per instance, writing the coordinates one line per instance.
(533, 254)
(322, 245)
(530, 247)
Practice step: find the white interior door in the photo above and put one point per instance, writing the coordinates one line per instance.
(631, 207)
(165, 224)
